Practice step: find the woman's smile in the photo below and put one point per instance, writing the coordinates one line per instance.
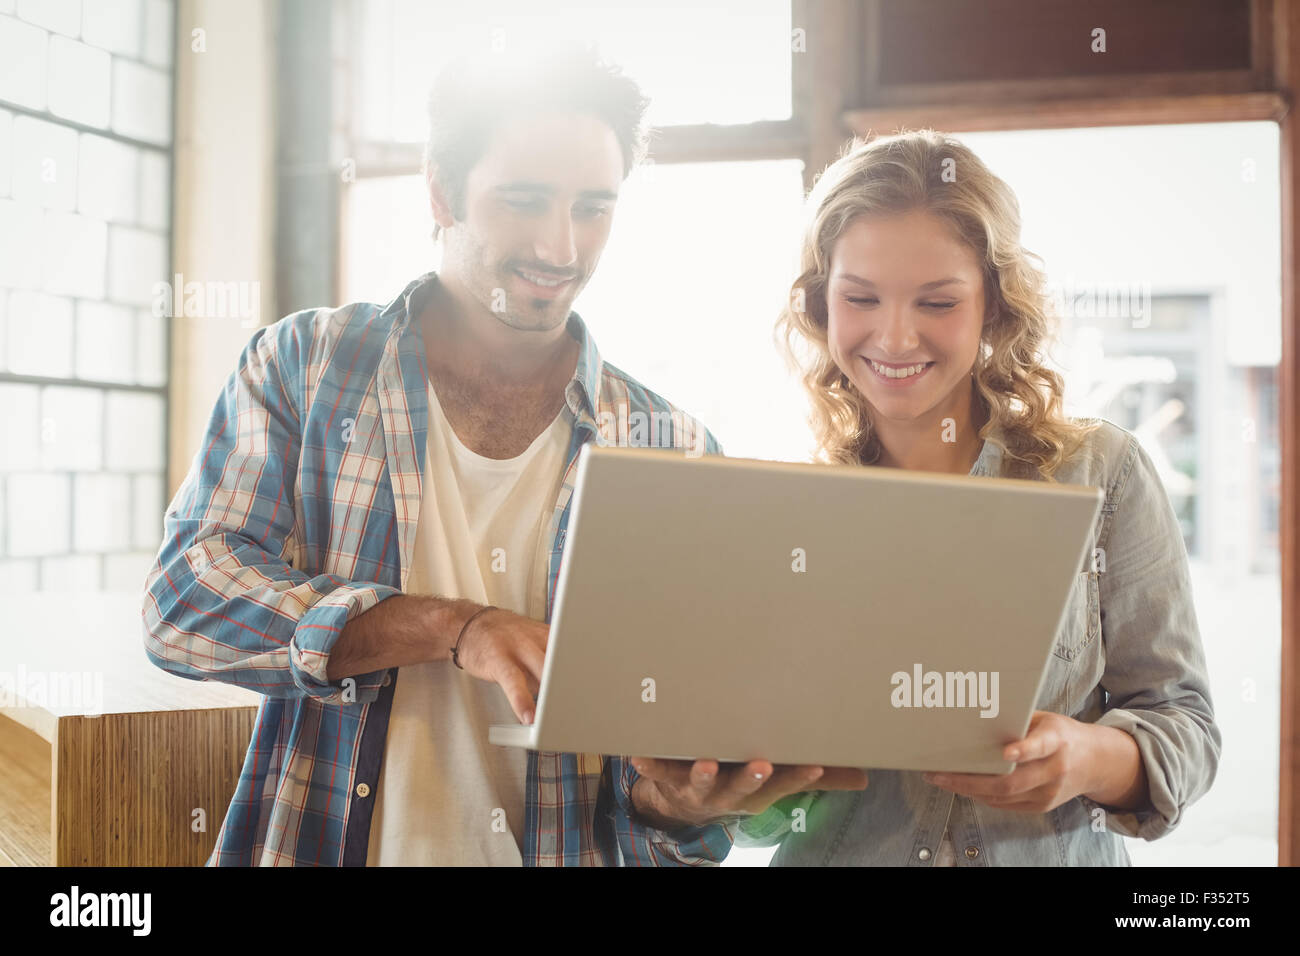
(894, 375)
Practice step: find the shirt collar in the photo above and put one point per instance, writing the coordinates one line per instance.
(989, 462)
(583, 390)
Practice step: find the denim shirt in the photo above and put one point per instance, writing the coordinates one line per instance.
(1128, 655)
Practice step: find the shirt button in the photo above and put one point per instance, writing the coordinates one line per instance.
(972, 852)
(363, 790)
(924, 853)
(388, 679)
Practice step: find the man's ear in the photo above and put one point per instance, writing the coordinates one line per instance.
(438, 202)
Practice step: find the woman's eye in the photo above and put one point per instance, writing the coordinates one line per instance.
(926, 305)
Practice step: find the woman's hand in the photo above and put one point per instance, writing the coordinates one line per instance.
(1059, 759)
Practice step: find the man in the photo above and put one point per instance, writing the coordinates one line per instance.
(371, 533)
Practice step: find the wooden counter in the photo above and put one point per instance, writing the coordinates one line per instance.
(104, 758)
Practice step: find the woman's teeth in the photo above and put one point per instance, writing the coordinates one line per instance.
(540, 279)
(889, 372)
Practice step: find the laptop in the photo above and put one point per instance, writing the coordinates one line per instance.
(736, 609)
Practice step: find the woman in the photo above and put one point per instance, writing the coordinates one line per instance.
(918, 323)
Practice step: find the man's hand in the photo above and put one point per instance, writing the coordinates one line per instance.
(675, 793)
(507, 649)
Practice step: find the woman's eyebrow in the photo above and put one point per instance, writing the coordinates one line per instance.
(951, 280)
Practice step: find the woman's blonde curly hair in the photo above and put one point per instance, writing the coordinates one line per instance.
(933, 172)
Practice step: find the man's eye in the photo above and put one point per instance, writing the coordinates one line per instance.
(593, 212)
(524, 204)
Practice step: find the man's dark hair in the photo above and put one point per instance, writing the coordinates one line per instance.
(472, 97)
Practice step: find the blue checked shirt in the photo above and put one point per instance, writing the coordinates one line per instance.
(299, 513)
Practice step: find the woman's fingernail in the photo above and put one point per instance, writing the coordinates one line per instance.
(1013, 754)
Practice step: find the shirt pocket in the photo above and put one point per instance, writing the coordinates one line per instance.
(1082, 620)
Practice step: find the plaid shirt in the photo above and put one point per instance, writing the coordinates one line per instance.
(299, 513)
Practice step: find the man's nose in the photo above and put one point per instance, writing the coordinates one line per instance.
(555, 246)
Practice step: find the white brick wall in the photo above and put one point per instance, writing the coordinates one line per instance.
(79, 78)
(105, 342)
(108, 180)
(38, 334)
(141, 102)
(23, 52)
(44, 163)
(113, 25)
(37, 514)
(61, 16)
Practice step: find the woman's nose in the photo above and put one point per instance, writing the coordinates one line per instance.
(897, 332)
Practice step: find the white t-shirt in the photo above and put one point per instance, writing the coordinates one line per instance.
(445, 795)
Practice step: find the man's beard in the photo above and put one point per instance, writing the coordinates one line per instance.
(531, 313)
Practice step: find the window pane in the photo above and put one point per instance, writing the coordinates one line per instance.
(84, 237)
(104, 342)
(138, 262)
(20, 427)
(155, 188)
(158, 32)
(21, 226)
(686, 295)
(6, 150)
(75, 252)
(62, 16)
(72, 429)
(723, 62)
(133, 429)
(114, 25)
(147, 507)
(38, 515)
(151, 349)
(101, 510)
(109, 175)
(45, 163)
(19, 577)
(141, 101)
(23, 52)
(39, 334)
(1188, 362)
(389, 237)
(79, 82)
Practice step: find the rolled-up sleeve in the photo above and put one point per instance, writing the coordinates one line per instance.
(223, 601)
(641, 845)
(1155, 678)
